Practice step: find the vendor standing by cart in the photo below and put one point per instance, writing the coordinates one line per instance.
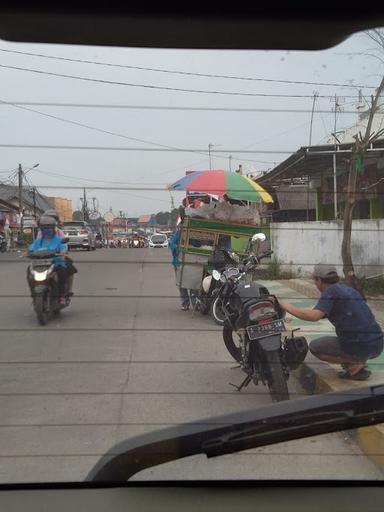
(187, 297)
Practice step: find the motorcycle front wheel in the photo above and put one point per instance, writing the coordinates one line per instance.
(277, 382)
(40, 308)
(217, 312)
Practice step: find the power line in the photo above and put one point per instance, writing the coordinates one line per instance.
(111, 133)
(170, 108)
(79, 178)
(120, 148)
(162, 88)
(115, 134)
(62, 119)
(186, 73)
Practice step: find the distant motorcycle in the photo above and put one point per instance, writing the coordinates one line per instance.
(3, 243)
(43, 282)
(136, 243)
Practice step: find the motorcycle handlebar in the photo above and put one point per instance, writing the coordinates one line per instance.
(264, 255)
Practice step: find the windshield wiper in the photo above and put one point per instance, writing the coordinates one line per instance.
(279, 422)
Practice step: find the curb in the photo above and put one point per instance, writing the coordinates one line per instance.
(319, 377)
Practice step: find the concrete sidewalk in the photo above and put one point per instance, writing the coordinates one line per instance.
(320, 377)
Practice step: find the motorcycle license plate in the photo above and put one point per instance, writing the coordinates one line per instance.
(41, 263)
(261, 330)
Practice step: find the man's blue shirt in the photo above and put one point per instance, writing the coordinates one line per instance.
(351, 316)
(50, 244)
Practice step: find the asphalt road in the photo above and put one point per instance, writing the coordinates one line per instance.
(123, 360)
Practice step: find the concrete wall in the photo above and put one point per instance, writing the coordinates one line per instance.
(300, 245)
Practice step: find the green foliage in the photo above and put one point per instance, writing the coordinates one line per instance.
(370, 286)
(374, 286)
(274, 271)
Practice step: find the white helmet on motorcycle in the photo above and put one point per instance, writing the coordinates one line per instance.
(207, 283)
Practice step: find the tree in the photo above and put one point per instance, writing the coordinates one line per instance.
(359, 150)
(162, 218)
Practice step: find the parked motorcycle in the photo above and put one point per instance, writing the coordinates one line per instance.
(220, 260)
(253, 332)
(43, 282)
(3, 243)
(234, 261)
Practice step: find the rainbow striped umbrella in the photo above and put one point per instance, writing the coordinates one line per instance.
(219, 182)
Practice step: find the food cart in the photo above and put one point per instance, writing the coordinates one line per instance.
(199, 239)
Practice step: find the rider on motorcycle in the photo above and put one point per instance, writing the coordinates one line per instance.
(55, 215)
(72, 270)
(51, 241)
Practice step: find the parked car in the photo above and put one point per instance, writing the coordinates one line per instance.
(158, 240)
(80, 234)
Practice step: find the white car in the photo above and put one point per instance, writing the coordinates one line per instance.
(158, 240)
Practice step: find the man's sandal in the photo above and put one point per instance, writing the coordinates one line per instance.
(362, 374)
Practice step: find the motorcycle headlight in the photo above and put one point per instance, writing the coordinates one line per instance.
(207, 283)
(261, 311)
(40, 276)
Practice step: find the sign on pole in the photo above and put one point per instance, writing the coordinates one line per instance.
(94, 215)
(109, 217)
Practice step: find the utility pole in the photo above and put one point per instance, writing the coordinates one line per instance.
(315, 94)
(334, 161)
(313, 110)
(210, 159)
(34, 211)
(85, 206)
(20, 174)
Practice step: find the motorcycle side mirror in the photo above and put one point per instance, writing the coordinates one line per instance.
(259, 236)
(216, 275)
(235, 257)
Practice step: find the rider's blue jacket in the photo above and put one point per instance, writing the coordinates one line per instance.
(50, 244)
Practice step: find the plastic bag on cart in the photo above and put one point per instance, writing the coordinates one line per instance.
(223, 212)
(245, 215)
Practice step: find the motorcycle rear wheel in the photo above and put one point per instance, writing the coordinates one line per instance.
(277, 382)
(41, 312)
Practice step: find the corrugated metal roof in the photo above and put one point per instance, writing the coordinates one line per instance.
(314, 161)
(9, 192)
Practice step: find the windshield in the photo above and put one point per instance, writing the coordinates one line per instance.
(211, 147)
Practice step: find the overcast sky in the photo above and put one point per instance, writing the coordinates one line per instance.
(181, 129)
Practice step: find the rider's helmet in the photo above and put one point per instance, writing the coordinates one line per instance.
(47, 221)
(52, 213)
